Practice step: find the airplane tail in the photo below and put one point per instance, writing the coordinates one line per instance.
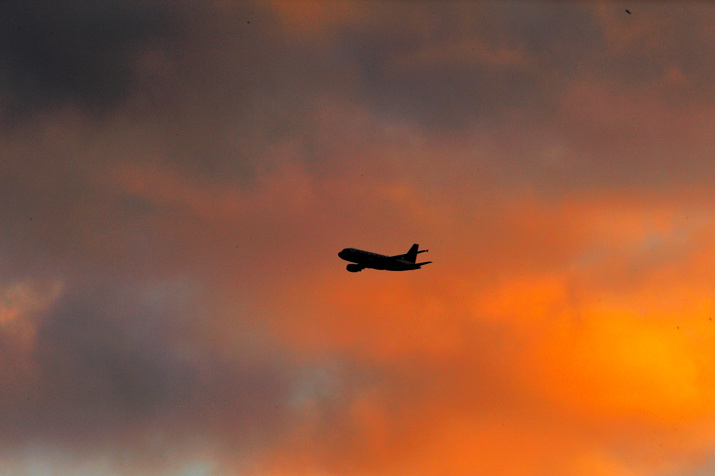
(411, 255)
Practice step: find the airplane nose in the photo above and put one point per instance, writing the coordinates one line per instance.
(341, 253)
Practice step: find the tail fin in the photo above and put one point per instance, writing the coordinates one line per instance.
(411, 255)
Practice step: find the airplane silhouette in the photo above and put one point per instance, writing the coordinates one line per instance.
(360, 260)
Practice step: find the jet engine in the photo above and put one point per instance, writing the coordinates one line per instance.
(354, 268)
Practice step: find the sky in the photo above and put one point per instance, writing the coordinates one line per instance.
(177, 178)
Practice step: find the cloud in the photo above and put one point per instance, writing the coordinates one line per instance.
(77, 53)
(115, 367)
(170, 294)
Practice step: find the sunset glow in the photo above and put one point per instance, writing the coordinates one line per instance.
(177, 178)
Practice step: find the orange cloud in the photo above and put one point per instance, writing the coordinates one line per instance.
(311, 19)
(616, 363)
(565, 354)
(19, 303)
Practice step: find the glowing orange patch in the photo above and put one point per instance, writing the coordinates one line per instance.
(617, 363)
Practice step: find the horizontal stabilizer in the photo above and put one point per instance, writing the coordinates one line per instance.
(420, 264)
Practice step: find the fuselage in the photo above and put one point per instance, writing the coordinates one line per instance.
(367, 259)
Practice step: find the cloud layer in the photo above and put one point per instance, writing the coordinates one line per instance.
(177, 178)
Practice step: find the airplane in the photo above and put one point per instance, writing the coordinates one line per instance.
(360, 260)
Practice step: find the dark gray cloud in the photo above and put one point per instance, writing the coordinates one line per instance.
(501, 62)
(198, 86)
(112, 362)
(78, 53)
(458, 68)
